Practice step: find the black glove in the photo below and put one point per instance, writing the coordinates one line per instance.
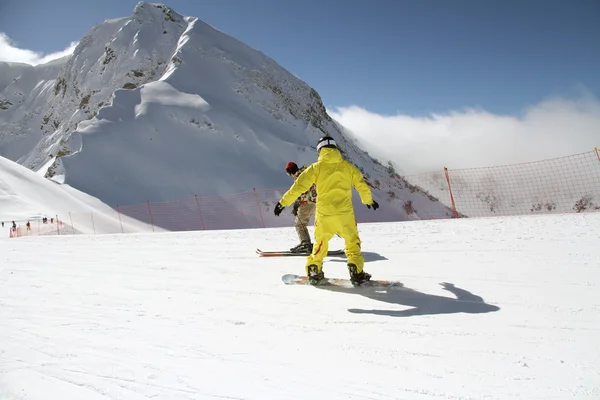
(295, 208)
(374, 204)
(278, 209)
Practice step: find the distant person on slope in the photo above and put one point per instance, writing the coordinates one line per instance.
(304, 208)
(334, 178)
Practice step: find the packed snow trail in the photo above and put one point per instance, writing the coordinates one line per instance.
(199, 315)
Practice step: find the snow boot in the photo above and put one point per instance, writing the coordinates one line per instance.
(357, 278)
(314, 276)
(304, 247)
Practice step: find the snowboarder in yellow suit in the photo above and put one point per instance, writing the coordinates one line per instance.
(334, 178)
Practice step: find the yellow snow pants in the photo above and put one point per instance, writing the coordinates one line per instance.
(327, 226)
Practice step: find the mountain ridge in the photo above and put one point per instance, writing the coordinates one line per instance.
(162, 106)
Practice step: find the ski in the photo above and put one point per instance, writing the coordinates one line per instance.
(292, 279)
(290, 254)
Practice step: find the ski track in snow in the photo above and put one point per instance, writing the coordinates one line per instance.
(199, 315)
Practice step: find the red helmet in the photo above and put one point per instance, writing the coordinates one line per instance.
(291, 168)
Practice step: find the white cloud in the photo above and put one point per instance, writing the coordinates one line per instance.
(9, 52)
(475, 138)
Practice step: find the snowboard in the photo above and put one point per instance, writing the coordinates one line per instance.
(290, 254)
(292, 279)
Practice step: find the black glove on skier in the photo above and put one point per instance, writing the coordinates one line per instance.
(295, 208)
(374, 204)
(278, 209)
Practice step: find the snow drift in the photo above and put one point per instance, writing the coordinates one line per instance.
(27, 196)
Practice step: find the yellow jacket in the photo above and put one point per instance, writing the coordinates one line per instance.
(334, 178)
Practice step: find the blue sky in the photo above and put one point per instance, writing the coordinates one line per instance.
(387, 56)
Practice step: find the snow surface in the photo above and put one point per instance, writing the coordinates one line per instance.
(200, 316)
(24, 93)
(27, 196)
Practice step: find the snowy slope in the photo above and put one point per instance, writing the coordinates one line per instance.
(158, 106)
(26, 196)
(25, 92)
(126, 317)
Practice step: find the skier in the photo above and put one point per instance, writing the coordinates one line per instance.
(334, 178)
(304, 208)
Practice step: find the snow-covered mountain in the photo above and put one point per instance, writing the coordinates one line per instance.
(160, 106)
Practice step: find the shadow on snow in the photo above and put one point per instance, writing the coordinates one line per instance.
(369, 256)
(421, 303)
